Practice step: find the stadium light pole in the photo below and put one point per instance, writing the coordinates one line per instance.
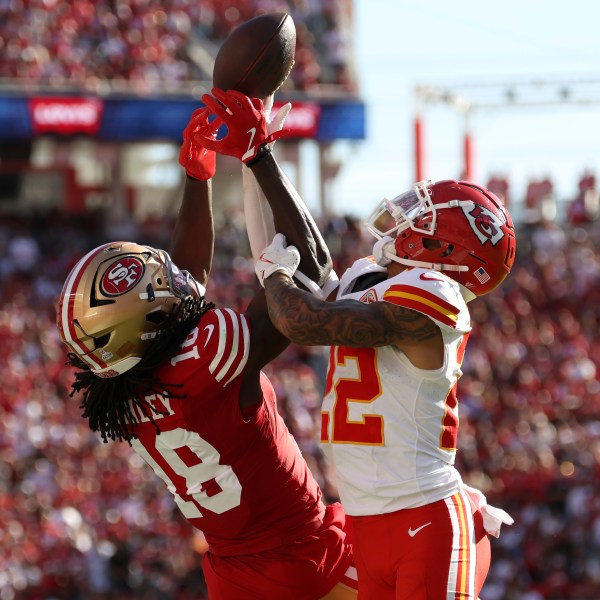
(467, 98)
(468, 152)
(427, 94)
(419, 150)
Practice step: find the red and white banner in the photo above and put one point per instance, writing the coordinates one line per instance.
(66, 116)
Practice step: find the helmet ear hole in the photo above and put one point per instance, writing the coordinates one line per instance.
(101, 341)
(431, 243)
(156, 317)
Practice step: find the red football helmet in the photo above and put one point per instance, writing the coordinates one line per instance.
(453, 226)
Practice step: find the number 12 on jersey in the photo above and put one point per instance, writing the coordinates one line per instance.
(352, 395)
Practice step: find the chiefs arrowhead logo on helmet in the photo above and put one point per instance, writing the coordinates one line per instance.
(486, 225)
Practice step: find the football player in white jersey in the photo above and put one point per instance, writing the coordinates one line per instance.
(398, 332)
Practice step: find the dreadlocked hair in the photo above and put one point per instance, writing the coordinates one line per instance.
(107, 403)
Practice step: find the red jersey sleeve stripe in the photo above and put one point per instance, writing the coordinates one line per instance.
(232, 346)
(222, 333)
(422, 304)
(245, 349)
(235, 348)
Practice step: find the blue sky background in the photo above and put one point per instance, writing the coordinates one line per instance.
(400, 44)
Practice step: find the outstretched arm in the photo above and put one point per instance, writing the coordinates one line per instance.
(249, 140)
(192, 241)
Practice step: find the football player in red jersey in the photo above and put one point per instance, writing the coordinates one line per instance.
(180, 380)
(398, 332)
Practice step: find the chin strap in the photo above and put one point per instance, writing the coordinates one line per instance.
(428, 265)
(384, 252)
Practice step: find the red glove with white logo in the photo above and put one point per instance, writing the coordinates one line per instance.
(247, 138)
(198, 161)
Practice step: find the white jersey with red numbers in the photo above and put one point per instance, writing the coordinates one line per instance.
(389, 427)
(240, 478)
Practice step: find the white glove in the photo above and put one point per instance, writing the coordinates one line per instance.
(275, 122)
(493, 517)
(382, 250)
(277, 257)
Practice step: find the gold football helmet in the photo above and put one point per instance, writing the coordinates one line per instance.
(115, 301)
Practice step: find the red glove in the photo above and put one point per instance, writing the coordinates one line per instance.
(246, 123)
(198, 161)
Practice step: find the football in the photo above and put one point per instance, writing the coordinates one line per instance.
(257, 57)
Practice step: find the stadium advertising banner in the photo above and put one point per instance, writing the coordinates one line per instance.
(65, 116)
(134, 119)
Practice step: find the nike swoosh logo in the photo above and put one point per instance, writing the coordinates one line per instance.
(265, 260)
(412, 532)
(249, 151)
(210, 328)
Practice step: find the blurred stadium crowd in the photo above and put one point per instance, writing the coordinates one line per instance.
(80, 519)
(152, 43)
(84, 520)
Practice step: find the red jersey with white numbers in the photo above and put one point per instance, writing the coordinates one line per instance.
(389, 427)
(241, 479)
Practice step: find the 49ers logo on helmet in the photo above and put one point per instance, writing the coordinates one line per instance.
(486, 225)
(121, 276)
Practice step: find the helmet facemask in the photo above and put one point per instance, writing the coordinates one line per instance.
(180, 283)
(393, 216)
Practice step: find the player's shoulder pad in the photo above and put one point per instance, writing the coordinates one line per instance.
(431, 293)
(360, 267)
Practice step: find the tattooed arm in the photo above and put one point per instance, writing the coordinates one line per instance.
(305, 320)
